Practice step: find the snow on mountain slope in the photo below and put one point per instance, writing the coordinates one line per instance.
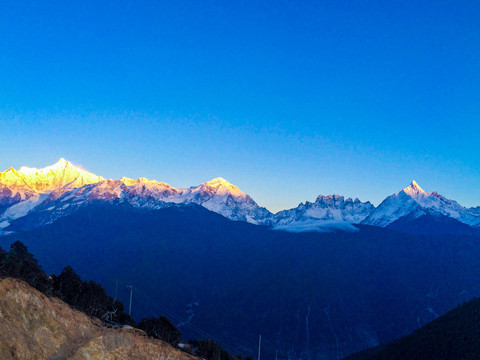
(217, 195)
(331, 210)
(23, 190)
(220, 196)
(60, 189)
(58, 175)
(14, 185)
(415, 202)
(22, 208)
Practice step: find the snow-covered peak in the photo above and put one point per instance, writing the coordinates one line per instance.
(128, 181)
(13, 187)
(326, 210)
(146, 187)
(12, 178)
(219, 181)
(414, 202)
(62, 173)
(330, 199)
(142, 180)
(60, 165)
(63, 186)
(220, 186)
(340, 201)
(414, 189)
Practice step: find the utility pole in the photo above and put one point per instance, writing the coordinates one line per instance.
(259, 345)
(130, 306)
(116, 289)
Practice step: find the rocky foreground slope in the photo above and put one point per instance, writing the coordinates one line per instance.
(34, 326)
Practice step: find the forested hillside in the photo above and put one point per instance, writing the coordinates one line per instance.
(88, 297)
(455, 336)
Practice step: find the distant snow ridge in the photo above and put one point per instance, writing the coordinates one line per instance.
(329, 211)
(220, 196)
(415, 202)
(58, 190)
(61, 174)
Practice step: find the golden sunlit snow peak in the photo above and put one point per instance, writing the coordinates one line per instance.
(62, 173)
(414, 188)
(222, 185)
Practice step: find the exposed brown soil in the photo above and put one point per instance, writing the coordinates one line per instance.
(34, 327)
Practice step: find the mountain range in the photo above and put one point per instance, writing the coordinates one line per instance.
(311, 294)
(318, 295)
(31, 197)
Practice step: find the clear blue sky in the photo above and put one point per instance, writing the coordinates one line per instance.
(287, 100)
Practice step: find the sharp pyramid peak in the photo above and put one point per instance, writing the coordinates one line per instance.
(62, 164)
(62, 161)
(414, 189)
(415, 184)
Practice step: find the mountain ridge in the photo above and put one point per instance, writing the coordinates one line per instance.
(61, 188)
(414, 200)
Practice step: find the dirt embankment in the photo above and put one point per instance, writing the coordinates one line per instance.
(34, 326)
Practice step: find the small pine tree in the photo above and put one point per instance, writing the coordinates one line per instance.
(69, 285)
(20, 263)
(210, 350)
(161, 328)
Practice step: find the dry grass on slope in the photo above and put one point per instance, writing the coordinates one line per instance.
(34, 326)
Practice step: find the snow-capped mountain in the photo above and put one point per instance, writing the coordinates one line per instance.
(220, 196)
(217, 195)
(414, 202)
(60, 189)
(327, 211)
(61, 174)
(41, 196)
(23, 190)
